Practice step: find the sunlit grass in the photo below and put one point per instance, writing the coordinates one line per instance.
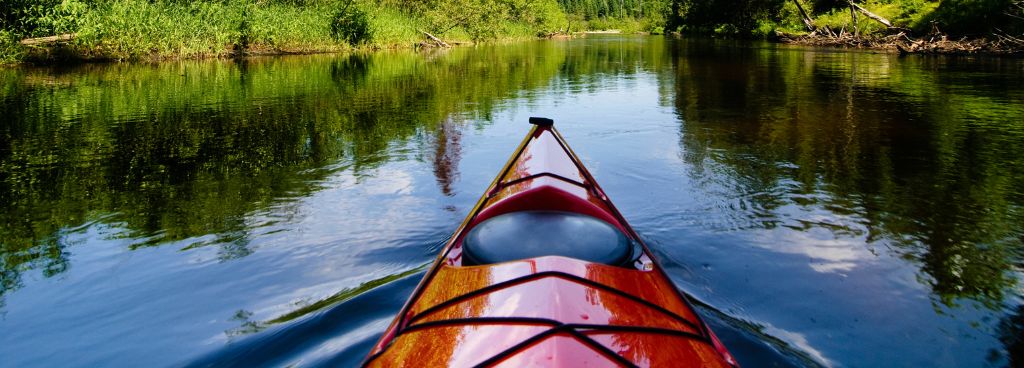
(166, 29)
(390, 28)
(135, 28)
(911, 14)
(9, 50)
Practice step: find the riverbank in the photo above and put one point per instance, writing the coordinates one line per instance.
(144, 30)
(902, 43)
(900, 26)
(913, 27)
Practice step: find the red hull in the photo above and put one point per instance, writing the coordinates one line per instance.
(551, 310)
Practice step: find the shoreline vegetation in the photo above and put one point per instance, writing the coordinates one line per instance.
(993, 27)
(55, 31)
(899, 38)
(45, 31)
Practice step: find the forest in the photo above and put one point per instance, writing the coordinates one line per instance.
(160, 29)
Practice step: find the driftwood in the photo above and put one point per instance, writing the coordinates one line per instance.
(871, 15)
(853, 17)
(436, 40)
(558, 35)
(1004, 37)
(807, 19)
(48, 40)
(904, 44)
(899, 40)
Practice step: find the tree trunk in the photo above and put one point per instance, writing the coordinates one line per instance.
(807, 20)
(871, 15)
(436, 40)
(853, 16)
(51, 39)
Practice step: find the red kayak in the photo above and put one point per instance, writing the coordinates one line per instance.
(546, 272)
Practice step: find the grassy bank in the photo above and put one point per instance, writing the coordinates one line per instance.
(144, 29)
(764, 18)
(162, 29)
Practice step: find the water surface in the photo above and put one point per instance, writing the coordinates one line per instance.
(823, 208)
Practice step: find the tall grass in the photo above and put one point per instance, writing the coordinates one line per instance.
(958, 17)
(9, 49)
(159, 29)
(131, 29)
(913, 14)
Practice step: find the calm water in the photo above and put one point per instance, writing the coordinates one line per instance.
(824, 208)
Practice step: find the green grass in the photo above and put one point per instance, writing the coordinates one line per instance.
(916, 15)
(172, 29)
(9, 49)
(132, 29)
(903, 14)
(390, 27)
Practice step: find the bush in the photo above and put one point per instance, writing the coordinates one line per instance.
(971, 17)
(731, 17)
(33, 18)
(10, 51)
(352, 25)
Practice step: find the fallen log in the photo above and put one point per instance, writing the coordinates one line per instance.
(807, 20)
(903, 44)
(871, 15)
(436, 40)
(49, 39)
(853, 17)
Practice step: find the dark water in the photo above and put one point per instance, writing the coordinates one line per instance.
(825, 208)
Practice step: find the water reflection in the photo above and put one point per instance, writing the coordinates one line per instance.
(172, 157)
(821, 204)
(447, 153)
(1011, 332)
(865, 149)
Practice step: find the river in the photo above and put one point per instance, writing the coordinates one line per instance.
(822, 207)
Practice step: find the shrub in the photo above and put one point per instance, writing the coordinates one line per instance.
(10, 51)
(971, 17)
(32, 18)
(352, 25)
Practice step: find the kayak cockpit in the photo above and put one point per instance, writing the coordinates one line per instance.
(530, 234)
(545, 204)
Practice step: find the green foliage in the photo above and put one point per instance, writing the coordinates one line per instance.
(10, 51)
(544, 15)
(480, 19)
(955, 17)
(625, 15)
(974, 17)
(131, 29)
(902, 13)
(389, 26)
(625, 25)
(135, 29)
(637, 9)
(33, 18)
(762, 17)
(351, 24)
(733, 17)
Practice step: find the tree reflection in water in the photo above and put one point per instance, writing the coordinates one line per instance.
(181, 151)
(923, 171)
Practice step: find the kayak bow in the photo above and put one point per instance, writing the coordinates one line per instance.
(546, 272)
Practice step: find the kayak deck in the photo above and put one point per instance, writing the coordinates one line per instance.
(547, 310)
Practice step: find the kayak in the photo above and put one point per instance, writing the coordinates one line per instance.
(546, 272)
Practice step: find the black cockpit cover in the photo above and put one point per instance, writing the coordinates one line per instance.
(528, 234)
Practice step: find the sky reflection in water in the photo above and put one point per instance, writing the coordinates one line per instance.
(823, 207)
